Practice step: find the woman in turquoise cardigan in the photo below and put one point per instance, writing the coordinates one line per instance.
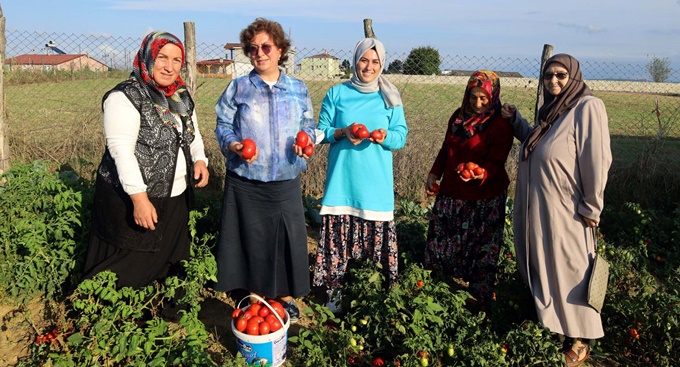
(358, 203)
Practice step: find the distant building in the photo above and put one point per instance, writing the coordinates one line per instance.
(502, 74)
(324, 65)
(67, 62)
(216, 68)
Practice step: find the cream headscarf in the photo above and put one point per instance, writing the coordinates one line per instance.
(389, 91)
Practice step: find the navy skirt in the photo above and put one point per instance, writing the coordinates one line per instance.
(263, 239)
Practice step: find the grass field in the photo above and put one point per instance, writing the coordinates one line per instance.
(61, 122)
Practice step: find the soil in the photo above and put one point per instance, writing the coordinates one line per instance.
(21, 324)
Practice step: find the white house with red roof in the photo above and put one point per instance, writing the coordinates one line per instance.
(43, 62)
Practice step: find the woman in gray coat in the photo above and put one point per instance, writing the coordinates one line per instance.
(563, 167)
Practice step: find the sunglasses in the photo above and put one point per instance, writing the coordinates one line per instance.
(560, 76)
(266, 49)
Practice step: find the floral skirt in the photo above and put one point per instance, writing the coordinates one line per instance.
(345, 237)
(464, 239)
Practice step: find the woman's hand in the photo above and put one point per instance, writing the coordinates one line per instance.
(591, 222)
(384, 135)
(431, 186)
(508, 111)
(469, 174)
(237, 148)
(201, 173)
(144, 212)
(301, 151)
(347, 131)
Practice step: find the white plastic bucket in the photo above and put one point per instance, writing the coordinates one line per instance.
(263, 350)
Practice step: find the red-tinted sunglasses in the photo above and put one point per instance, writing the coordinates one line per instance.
(266, 49)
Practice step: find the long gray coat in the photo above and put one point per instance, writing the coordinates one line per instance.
(561, 182)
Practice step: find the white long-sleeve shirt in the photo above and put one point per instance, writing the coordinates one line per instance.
(121, 129)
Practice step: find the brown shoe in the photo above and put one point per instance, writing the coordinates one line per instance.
(571, 356)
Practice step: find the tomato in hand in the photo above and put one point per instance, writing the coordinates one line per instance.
(308, 150)
(249, 149)
(362, 133)
(460, 167)
(356, 127)
(470, 166)
(302, 139)
(377, 135)
(466, 174)
(478, 171)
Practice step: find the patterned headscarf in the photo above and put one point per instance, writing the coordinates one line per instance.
(467, 118)
(390, 93)
(168, 100)
(554, 106)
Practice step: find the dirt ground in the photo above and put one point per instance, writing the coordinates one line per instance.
(20, 325)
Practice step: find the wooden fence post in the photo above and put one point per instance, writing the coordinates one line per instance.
(190, 50)
(547, 53)
(4, 138)
(368, 28)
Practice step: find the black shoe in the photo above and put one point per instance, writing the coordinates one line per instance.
(293, 311)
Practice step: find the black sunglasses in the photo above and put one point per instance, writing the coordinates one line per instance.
(560, 76)
(266, 49)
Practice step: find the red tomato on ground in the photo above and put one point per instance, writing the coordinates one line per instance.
(377, 135)
(302, 139)
(308, 150)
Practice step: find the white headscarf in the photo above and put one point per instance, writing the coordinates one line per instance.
(390, 93)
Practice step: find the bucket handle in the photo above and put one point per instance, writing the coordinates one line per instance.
(273, 311)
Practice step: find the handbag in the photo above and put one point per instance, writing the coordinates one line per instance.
(599, 277)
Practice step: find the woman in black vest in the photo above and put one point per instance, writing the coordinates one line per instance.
(154, 154)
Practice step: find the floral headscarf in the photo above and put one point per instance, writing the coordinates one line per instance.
(466, 118)
(168, 100)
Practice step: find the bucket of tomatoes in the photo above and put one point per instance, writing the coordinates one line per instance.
(261, 331)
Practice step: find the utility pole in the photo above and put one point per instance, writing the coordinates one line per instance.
(4, 138)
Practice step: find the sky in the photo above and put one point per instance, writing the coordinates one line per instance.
(609, 30)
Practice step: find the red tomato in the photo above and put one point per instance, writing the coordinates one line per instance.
(259, 319)
(248, 143)
(264, 311)
(308, 150)
(236, 313)
(255, 308)
(264, 328)
(356, 127)
(633, 332)
(362, 133)
(275, 325)
(470, 166)
(465, 173)
(378, 362)
(420, 283)
(253, 327)
(478, 171)
(460, 167)
(377, 135)
(278, 307)
(301, 139)
(270, 318)
(240, 324)
(247, 152)
(435, 187)
(249, 314)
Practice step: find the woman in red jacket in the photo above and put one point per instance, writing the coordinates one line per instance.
(466, 228)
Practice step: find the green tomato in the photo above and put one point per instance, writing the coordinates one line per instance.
(353, 328)
(450, 351)
(424, 362)
(363, 321)
(353, 342)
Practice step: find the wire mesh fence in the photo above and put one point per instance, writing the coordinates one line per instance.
(54, 84)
